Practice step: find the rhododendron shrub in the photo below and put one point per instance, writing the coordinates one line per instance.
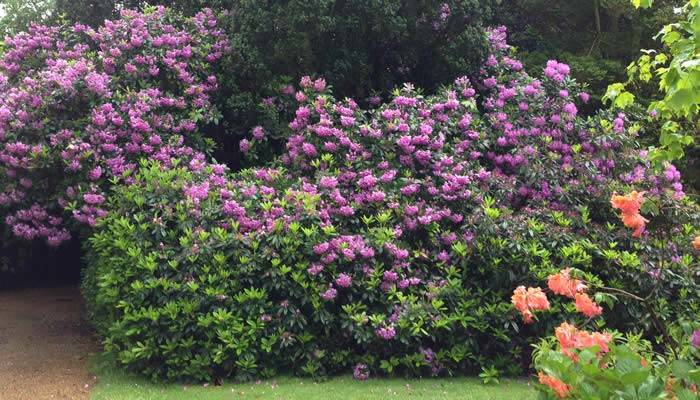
(579, 364)
(388, 240)
(196, 250)
(363, 48)
(79, 106)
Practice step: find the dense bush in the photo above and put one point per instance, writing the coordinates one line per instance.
(619, 371)
(578, 364)
(359, 46)
(364, 47)
(388, 238)
(79, 106)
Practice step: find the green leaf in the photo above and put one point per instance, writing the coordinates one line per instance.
(681, 368)
(634, 378)
(642, 3)
(682, 98)
(694, 376)
(624, 99)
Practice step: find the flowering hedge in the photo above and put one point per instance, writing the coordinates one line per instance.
(385, 240)
(79, 107)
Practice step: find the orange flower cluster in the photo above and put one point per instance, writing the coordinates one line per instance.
(629, 206)
(562, 284)
(528, 300)
(696, 243)
(571, 338)
(560, 388)
(534, 299)
(586, 306)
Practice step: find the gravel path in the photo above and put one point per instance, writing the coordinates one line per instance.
(45, 345)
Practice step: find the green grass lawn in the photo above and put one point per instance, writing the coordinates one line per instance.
(116, 385)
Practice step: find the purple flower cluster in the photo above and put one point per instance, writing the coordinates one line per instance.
(386, 332)
(695, 338)
(360, 372)
(430, 358)
(74, 121)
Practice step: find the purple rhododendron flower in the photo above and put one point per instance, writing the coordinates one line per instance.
(695, 338)
(360, 372)
(48, 70)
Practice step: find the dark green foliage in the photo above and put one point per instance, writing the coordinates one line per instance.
(90, 12)
(360, 47)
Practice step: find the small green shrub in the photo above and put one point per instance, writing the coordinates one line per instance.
(576, 363)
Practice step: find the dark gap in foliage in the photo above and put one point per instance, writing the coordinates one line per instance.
(35, 264)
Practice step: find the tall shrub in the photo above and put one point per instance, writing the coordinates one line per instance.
(79, 106)
(363, 47)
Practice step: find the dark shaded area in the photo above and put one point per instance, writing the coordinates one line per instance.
(35, 264)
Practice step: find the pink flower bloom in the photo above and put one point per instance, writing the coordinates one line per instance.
(329, 294)
(386, 333)
(343, 280)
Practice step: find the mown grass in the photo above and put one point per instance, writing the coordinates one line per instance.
(114, 384)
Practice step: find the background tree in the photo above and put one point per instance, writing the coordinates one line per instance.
(672, 71)
(17, 15)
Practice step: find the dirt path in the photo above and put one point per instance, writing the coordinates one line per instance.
(45, 345)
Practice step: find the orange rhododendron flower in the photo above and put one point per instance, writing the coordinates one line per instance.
(566, 335)
(571, 338)
(528, 300)
(635, 222)
(696, 243)
(601, 340)
(629, 206)
(586, 306)
(562, 284)
(560, 388)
